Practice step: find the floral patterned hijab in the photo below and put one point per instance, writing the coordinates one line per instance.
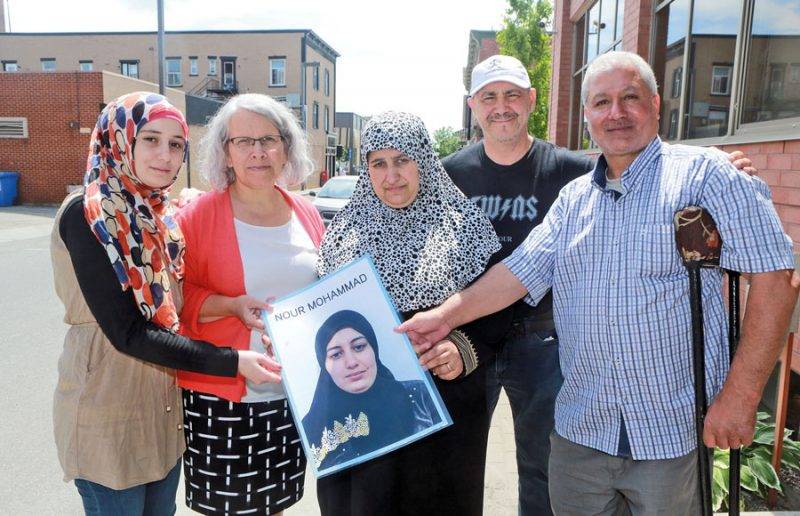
(129, 218)
(424, 252)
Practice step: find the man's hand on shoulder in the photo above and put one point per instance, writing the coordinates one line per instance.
(739, 160)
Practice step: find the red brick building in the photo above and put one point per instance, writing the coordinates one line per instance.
(58, 110)
(728, 74)
(46, 121)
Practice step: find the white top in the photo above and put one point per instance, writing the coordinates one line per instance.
(276, 261)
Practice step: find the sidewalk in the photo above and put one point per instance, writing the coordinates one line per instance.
(25, 222)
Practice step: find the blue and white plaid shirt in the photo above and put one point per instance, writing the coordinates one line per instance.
(621, 292)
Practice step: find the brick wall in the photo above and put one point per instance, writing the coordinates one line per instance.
(57, 105)
(558, 116)
(778, 164)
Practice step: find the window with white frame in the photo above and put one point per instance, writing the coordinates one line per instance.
(795, 73)
(315, 79)
(129, 68)
(10, 66)
(327, 82)
(673, 124)
(85, 66)
(315, 115)
(326, 120)
(174, 71)
(193, 65)
(721, 80)
(48, 64)
(277, 71)
(677, 78)
(212, 65)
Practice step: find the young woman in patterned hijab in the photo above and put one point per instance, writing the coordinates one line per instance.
(428, 241)
(129, 217)
(117, 261)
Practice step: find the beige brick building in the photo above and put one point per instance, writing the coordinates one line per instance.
(294, 66)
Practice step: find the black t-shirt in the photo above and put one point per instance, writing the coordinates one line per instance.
(516, 197)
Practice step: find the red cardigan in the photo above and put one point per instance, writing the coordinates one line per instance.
(213, 266)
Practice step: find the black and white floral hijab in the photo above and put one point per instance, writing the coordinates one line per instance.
(424, 252)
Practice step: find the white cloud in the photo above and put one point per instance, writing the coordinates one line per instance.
(394, 55)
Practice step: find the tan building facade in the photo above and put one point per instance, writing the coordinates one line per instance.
(294, 66)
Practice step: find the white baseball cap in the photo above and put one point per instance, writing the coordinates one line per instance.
(497, 69)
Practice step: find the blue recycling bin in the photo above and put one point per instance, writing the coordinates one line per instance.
(8, 188)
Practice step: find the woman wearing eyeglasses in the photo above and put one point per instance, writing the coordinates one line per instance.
(246, 240)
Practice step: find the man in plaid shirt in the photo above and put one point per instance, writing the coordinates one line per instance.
(624, 433)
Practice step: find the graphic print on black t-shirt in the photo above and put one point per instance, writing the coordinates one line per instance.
(498, 208)
(516, 197)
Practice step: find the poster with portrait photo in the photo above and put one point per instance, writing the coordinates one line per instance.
(355, 386)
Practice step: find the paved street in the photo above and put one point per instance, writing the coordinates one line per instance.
(31, 334)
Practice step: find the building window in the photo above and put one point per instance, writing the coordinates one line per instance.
(129, 68)
(212, 65)
(10, 66)
(315, 115)
(707, 47)
(795, 73)
(86, 66)
(326, 120)
(48, 64)
(277, 71)
(677, 78)
(673, 124)
(603, 28)
(174, 71)
(327, 82)
(315, 79)
(193, 65)
(721, 80)
(600, 31)
(769, 92)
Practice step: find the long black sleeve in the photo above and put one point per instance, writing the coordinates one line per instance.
(118, 316)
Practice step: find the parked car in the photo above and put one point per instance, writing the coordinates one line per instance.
(333, 196)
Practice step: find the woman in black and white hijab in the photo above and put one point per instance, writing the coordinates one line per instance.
(428, 241)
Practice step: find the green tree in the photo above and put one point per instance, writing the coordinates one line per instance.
(524, 36)
(446, 141)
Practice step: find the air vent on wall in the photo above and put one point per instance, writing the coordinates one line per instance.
(13, 127)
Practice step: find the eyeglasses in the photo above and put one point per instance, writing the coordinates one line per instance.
(268, 142)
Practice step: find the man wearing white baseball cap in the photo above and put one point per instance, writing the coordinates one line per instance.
(515, 178)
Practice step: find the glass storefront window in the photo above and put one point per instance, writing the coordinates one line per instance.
(708, 96)
(672, 23)
(772, 74)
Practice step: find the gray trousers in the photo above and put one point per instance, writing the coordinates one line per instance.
(585, 481)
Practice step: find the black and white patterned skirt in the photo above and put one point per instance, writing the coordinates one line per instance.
(241, 458)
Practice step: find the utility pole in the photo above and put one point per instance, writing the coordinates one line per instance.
(160, 4)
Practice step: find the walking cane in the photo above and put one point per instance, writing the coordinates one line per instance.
(699, 246)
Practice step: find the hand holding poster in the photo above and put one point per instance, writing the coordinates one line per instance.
(355, 385)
